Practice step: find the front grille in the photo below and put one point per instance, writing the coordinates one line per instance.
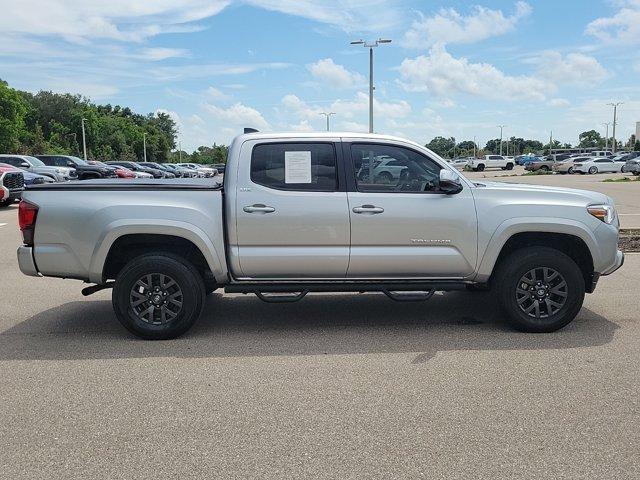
(13, 181)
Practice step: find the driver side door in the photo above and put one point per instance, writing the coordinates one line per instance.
(402, 226)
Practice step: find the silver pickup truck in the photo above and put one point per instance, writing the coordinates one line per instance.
(301, 213)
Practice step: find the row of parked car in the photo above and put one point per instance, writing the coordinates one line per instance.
(16, 171)
(601, 161)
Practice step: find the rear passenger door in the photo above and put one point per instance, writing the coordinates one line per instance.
(291, 211)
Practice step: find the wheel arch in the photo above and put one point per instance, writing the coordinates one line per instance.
(569, 237)
(123, 242)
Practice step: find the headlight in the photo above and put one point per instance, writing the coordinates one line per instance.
(605, 213)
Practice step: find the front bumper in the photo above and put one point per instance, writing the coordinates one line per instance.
(619, 261)
(26, 262)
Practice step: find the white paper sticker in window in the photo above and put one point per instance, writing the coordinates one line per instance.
(297, 167)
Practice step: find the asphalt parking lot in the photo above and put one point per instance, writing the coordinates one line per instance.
(335, 386)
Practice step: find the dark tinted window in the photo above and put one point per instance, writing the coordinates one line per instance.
(495, 157)
(295, 166)
(411, 171)
(16, 162)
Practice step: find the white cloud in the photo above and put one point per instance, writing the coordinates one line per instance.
(124, 20)
(441, 74)
(559, 102)
(449, 26)
(347, 109)
(161, 53)
(238, 114)
(328, 72)
(216, 94)
(572, 69)
(621, 28)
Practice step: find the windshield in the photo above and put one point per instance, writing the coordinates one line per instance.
(35, 162)
(79, 161)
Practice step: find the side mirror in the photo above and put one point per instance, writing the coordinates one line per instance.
(450, 182)
(25, 165)
(71, 164)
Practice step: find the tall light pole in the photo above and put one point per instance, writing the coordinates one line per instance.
(615, 113)
(144, 145)
(180, 151)
(606, 138)
(370, 45)
(501, 127)
(474, 146)
(550, 141)
(84, 140)
(327, 114)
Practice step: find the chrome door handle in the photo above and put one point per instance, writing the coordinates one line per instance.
(259, 208)
(368, 209)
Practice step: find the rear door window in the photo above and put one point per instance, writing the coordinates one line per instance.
(295, 166)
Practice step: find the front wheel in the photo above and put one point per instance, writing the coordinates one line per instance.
(570, 170)
(6, 203)
(509, 166)
(158, 296)
(480, 168)
(593, 170)
(540, 289)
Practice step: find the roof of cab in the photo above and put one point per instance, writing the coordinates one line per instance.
(317, 135)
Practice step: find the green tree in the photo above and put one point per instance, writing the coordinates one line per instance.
(13, 109)
(590, 139)
(442, 146)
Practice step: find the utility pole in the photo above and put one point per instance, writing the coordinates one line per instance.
(615, 113)
(84, 140)
(370, 45)
(474, 146)
(144, 145)
(550, 141)
(180, 151)
(501, 127)
(606, 138)
(327, 114)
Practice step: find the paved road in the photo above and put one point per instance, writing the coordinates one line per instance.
(626, 195)
(336, 386)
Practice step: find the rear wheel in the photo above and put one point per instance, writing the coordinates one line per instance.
(158, 296)
(544, 168)
(6, 203)
(540, 289)
(593, 170)
(480, 167)
(509, 166)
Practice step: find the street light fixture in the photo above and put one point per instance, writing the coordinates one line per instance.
(615, 113)
(327, 114)
(370, 45)
(84, 140)
(501, 127)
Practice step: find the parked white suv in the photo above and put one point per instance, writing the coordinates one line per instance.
(491, 161)
(598, 165)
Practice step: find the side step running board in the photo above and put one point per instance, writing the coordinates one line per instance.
(270, 297)
(411, 296)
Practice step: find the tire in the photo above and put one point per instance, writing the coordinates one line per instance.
(593, 170)
(163, 268)
(509, 166)
(384, 177)
(6, 203)
(480, 168)
(570, 170)
(544, 168)
(514, 272)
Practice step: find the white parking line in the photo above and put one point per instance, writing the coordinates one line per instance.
(629, 214)
(2, 224)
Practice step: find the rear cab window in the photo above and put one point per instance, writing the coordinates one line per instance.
(295, 166)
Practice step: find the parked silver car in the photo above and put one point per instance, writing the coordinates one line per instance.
(34, 165)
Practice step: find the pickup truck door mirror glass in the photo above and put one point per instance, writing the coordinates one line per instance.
(391, 168)
(450, 182)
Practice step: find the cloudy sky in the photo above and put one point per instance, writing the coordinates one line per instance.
(453, 69)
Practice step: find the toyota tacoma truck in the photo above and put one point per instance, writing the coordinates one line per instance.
(294, 215)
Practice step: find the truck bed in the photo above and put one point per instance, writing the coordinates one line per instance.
(133, 184)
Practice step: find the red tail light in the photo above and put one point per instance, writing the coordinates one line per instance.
(27, 213)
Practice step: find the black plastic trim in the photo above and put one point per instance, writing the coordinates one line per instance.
(346, 286)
